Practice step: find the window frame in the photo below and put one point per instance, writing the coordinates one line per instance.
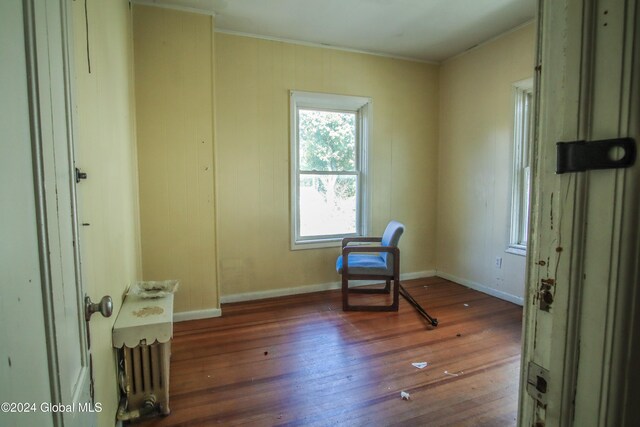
(362, 107)
(522, 144)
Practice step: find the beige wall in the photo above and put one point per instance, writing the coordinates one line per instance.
(108, 199)
(253, 79)
(475, 162)
(174, 98)
(440, 148)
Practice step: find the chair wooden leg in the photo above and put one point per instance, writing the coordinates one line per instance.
(387, 288)
(396, 294)
(345, 293)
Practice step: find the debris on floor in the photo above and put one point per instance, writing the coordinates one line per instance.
(420, 365)
(404, 395)
(458, 334)
(466, 305)
(452, 374)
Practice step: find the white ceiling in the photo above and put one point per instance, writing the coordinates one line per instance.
(428, 30)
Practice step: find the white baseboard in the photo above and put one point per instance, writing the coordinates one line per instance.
(250, 296)
(417, 275)
(197, 314)
(482, 288)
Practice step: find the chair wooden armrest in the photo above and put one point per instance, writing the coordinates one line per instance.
(348, 240)
(390, 249)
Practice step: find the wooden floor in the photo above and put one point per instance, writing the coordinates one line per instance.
(300, 360)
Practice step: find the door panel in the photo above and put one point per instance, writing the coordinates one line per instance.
(58, 182)
(24, 369)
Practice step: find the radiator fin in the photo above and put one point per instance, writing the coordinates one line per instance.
(147, 374)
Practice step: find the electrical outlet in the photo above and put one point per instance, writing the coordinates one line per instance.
(498, 262)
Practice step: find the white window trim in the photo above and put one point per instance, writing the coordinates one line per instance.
(362, 105)
(520, 89)
(517, 250)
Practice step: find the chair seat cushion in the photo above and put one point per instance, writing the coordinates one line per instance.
(365, 264)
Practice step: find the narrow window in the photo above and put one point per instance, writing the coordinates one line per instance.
(328, 168)
(521, 182)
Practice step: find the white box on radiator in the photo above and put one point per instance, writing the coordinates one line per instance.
(143, 332)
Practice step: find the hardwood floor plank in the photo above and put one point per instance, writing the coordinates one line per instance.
(300, 360)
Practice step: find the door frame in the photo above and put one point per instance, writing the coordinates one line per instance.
(584, 229)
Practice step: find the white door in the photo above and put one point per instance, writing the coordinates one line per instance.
(39, 78)
(581, 345)
(24, 368)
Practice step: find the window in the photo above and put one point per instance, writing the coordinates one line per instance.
(328, 168)
(521, 182)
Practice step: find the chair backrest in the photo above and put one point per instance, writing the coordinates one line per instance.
(391, 237)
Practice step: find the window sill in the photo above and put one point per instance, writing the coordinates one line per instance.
(517, 250)
(316, 244)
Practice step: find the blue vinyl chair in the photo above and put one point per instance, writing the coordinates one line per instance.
(378, 262)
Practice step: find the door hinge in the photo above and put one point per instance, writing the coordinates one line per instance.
(537, 383)
(80, 175)
(91, 383)
(580, 156)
